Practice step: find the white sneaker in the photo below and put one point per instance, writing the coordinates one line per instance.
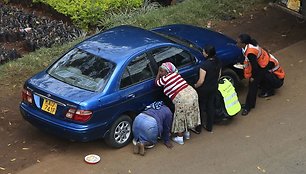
(179, 140)
(134, 142)
(187, 135)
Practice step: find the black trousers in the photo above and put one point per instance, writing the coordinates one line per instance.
(207, 105)
(253, 89)
(271, 82)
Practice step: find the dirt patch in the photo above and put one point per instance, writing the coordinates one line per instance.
(271, 27)
(23, 145)
(39, 9)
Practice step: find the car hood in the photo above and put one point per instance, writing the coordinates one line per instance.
(197, 35)
(45, 84)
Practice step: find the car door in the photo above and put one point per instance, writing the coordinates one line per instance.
(136, 84)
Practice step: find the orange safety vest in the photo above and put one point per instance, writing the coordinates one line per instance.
(277, 70)
(247, 68)
(262, 58)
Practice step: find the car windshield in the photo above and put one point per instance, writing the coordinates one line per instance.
(181, 41)
(83, 70)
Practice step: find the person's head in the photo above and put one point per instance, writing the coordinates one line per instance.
(244, 39)
(166, 68)
(209, 51)
(162, 71)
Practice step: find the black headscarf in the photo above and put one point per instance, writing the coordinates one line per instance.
(210, 51)
(211, 55)
(246, 39)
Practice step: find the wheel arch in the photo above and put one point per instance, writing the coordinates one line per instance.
(234, 73)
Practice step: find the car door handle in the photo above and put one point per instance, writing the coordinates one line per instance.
(131, 96)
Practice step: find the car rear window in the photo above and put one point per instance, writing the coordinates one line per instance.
(82, 69)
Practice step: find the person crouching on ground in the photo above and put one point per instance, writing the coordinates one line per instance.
(155, 121)
(274, 79)
(185, 99)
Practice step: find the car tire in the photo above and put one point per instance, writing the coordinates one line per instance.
(231, 75)
(120, 132)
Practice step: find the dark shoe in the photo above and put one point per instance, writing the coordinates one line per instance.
(197, 129)
(242, 105)
(141, 149)
(136, 148)
(265, 94)
(207, 128)
(244, 112)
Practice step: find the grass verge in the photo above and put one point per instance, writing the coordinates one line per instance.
(195, 12)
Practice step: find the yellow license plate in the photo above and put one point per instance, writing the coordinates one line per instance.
(49, 106)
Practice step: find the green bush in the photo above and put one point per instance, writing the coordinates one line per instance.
(88, 12)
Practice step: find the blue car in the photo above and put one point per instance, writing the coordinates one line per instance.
(97, 87)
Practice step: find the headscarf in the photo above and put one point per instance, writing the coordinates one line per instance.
(210, 51)
(169, 67)
(246, 39)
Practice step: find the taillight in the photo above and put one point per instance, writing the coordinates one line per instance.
(79, 115)
(27, 96)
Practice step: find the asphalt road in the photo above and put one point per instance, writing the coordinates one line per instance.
(271, 139)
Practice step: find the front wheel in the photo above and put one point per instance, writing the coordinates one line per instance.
(230, 75)
(120, 132)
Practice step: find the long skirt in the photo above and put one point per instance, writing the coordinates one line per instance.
(187, 112)
(145, 129)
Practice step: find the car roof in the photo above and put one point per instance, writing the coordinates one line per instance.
(119, 43)
(197, 35)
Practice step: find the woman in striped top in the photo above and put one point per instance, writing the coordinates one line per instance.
(185, 99)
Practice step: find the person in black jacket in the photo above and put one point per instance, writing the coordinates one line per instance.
(207, 86)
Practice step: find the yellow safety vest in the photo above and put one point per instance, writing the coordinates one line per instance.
(230, 97)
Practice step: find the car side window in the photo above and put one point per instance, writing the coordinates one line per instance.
(137, 71)
(177, 56)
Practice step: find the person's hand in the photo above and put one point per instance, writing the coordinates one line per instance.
(158, 74)
(168, 145)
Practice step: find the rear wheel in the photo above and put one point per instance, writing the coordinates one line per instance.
(230, 75)
(120, 132)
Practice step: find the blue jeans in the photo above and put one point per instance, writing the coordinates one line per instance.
(145, 129)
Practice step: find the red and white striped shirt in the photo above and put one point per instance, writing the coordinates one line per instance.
(173, 83)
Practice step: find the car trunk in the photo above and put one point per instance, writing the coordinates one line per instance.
(55, 97)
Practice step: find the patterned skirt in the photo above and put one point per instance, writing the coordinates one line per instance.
(187, 113)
